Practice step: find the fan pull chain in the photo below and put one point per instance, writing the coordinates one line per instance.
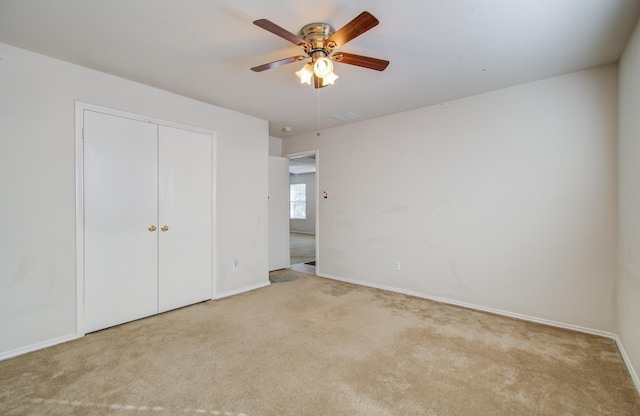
(318, 130)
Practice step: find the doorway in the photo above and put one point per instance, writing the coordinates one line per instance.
(303, 211)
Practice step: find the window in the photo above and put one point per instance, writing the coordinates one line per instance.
(298, 201)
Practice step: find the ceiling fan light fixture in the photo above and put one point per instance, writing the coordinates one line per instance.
(305, 74)
(319, 42)
(329, 79)
(323, 67)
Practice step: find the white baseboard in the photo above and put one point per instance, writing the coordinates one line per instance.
(623, 353)
(55, 341)
(627, 361)
(38, 346)
(477, 307)
(578, 328)
(241, 290)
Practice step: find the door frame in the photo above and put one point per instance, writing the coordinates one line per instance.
(316, 154)
(276, 217)
(80, 108)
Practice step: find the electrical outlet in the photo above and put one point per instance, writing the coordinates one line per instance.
(235, 265)
(396, 265)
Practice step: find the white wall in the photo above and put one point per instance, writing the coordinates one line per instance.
(37, 187)
(504, 200)
(275, 146)
(308, 225)
(629, 211)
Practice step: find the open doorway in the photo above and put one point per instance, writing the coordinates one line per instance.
(303, 215)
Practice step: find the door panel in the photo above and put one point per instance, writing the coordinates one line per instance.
(279, 257)
(120, 192)
(185, 190)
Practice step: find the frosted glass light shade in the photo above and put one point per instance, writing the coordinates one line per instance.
(305, 74)
(323, 67)
(329, 79)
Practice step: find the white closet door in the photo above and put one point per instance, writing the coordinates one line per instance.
(185, 190)
(120, 192)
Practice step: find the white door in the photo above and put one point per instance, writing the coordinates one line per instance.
(278, 213)
(185, 190)
(120, 214)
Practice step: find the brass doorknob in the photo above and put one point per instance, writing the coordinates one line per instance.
(164, 228)
(152, 228)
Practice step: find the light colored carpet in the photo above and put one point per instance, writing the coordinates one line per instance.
(303, 247)
(313, 346)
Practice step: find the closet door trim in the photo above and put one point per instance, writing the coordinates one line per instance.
(80, 108)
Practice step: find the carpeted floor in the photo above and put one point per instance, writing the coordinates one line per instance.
(313, 346)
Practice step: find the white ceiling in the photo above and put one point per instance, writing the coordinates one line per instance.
(439, 49)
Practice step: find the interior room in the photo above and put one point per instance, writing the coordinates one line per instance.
(476, 168)
(302, 212)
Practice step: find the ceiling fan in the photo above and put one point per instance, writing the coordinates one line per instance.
(319, 42)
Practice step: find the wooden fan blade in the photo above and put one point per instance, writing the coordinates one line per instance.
(276, 64)
(354, 28)
(359, 60)
(279, 31)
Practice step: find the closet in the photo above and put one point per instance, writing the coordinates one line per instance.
(147, 218)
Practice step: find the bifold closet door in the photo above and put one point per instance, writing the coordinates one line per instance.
(185, 204)
(121, 214)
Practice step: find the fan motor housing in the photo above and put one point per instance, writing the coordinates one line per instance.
(316, 34)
